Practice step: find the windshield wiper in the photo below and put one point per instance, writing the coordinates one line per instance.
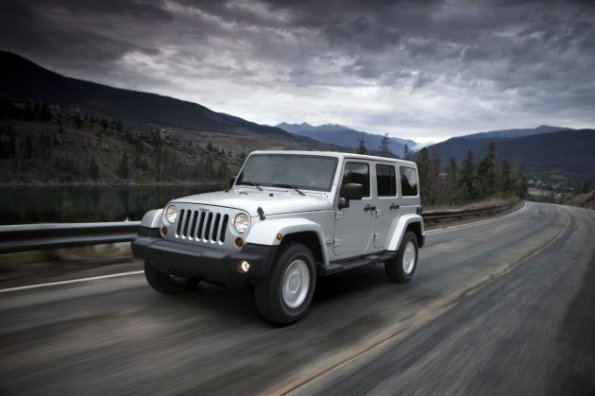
(283, 185)
(251, 183)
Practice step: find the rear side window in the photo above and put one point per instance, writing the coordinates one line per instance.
(408, 181)
(386, 180)
(357, 172)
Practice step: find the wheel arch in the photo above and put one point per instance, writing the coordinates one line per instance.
(152, 219)
(410, 222)
(281, 231)
(310, 240)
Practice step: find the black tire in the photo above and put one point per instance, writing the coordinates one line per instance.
(396, 269)
(162, 281)
(268, 295)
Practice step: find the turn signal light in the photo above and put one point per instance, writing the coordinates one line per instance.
(164, 230)
(239, 242)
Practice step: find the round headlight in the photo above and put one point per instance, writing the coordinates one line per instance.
(241, 223)
(171, 214)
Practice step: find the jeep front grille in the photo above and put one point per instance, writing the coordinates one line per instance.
(202, 225)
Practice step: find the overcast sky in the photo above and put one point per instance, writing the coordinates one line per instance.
(424, 70)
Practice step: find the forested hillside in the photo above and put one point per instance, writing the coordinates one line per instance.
(565, 157)
(473, 179)
(40, 144)
(56, 129)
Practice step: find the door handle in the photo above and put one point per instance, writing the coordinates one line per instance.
(369, 208)
(394, 206)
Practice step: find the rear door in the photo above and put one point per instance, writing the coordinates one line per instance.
(409, 189)
(387, 206)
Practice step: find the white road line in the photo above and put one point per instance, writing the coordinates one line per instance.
(66, 282)
(491, 220)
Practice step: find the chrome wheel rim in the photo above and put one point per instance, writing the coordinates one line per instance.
(296, 283)
(409, 257)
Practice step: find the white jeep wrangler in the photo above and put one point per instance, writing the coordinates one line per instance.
(288, 217)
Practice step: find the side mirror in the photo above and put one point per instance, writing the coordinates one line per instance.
(348, 192)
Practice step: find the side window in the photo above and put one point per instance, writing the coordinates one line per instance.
(386, 180)
(357, 172)
(408, 181)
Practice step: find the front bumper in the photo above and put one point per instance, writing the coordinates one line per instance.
(211, 265)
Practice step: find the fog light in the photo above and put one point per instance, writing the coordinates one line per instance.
(164, 230)
(239, 242)
(244, 267)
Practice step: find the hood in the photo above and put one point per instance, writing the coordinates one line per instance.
(272, 202)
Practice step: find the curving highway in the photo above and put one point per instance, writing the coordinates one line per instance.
(502, 306)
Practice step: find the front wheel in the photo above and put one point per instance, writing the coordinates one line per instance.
(285, 295)
(162, 281)
(401, 268)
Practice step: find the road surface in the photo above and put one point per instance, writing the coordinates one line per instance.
(502, 306)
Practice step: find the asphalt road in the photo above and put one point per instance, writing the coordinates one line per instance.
(504, 306)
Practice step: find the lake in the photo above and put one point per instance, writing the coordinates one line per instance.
(73, 204)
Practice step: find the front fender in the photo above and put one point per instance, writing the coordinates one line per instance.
(152, 219)
(265, 232)
(400, 227)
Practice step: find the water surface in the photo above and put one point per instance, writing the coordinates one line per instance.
(70, 204)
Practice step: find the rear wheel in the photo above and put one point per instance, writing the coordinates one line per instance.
(285, 295)
(164, 282)
(401, 268)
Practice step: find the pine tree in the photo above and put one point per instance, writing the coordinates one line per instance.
(486, 172)
(406, 153)
(423, 169)
(385, 146)
(504, 179)
(519, 181)
(435, 182)
(452, 176)
(468, 179)
(361, 146)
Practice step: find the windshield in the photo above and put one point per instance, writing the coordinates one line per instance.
(306, 172)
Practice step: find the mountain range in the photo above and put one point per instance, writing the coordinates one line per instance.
(347, 137)
(105, 122)
(548, 153)
(516, 133)
(23, 80)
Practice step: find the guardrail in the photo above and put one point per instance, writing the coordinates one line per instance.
(458, 213)
(20, 238)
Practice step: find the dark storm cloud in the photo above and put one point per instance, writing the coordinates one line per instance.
(443, 64)
(59, 33)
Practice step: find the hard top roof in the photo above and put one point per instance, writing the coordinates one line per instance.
(335, 154)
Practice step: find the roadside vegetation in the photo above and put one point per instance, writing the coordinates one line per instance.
(453, 184)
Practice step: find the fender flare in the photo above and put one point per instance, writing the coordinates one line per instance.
(152, 219)
(399, 229)
(265, 232)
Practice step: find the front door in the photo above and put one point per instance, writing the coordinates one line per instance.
(354, 225)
